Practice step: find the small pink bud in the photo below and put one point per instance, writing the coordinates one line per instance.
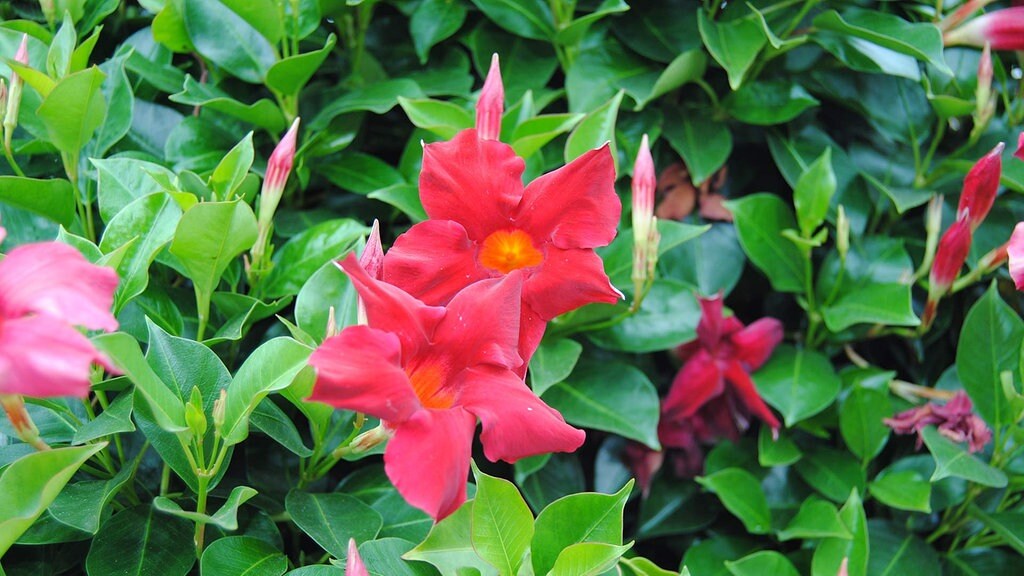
(980, 187)
(1004, 29)
(1019, 154)
(844, 569)
(644, 184)
(354, 564)
(279, 166)
(1015, 254)
(491, 104)
(965, 11)
(950, 257)
(372, 259)
(21, 56)
(984, 90)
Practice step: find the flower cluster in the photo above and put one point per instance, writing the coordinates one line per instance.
(461, 304)
(955, 420)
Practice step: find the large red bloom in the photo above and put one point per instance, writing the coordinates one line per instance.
(429, 372)
(485, 224)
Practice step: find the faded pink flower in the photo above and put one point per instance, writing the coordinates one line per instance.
(955, 420)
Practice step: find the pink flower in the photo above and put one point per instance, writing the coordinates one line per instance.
(645, 231)
(1003, 29)
(1019, 154)
(954, 420)
(279, 166)
(715, 380)
(429, 372)
(980, 187)
(354, 563)
(491, 104)
(372, 260)
(1015, 253)
(45, 290)
(484, 224)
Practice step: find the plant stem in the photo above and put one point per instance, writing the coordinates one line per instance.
(201, 509)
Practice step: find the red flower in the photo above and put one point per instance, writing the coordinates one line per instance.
(429, 372)
(980, 187)
(715, 380)
(954, 419)
(484, 224)
(1003, 29)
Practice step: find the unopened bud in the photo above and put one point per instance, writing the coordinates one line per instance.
(1001, 28)
(10, 121)
(279, 166)
(49, 11)
(491, 104)
(644, 184)
(842, 233)
(218, 410)
(370, 439)
(195, 418)
(1019, 154)
(844, 567)
(354, 563)
(332, 324)
(949, 258)
(372, 260)
(3, 99)
(933, 216)
(653, 240)
(1015, 255)
(980, 187)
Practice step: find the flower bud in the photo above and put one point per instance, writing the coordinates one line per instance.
(218, 410)
(10, 121)
(949, 258)
(354, 563)
(1015, 255)
(491, 104)
(842, 233)
(985, 102)
(1019, 154)
(49, 11)
(1004, 29)
(372, 260)
(980, 187)
(644, 184)
(195, 418)
(369, 440)
(332, 323)
(965, 11)
(279, 166)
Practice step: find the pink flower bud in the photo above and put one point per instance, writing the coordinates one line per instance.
(13, 104)
(21, 56)
(984, 91)
(844, 567)
(965, 11)
(950, 257)
(491, 104)
(279, 166)
(372, 259)
(1015, 253)
(354, 563)
(1004, 29)
(980, 187)
(1019, 154)
(644, 184)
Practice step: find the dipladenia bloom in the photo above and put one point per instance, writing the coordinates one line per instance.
(1003, 29)
(980, 187)
(955, 420)
(46, 289)
(354, 563)
(428, 372)
(645, 225)
(491, 104)
(484, 224)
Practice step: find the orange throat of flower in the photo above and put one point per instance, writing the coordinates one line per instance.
(508, 250)
(428, 381)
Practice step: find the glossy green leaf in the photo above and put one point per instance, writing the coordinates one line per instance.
(58, 57)
(865, 56)
(531, 135)
(123, 180)
(502, 523)
(765, 562)
(328, 287)
(643, 567)
(552, 363)
(903, 490)
(361, 173)
(434, 21)
(989, 344)
(703, 143)
(760, 219)
(595, 130)
(82, 505)
(1008, 525)
(232, 169)
(115, 419)
(263, 112)
(332, 519)
(53, 198)
(685, 68)
(588, 559)
(274, 422)
(242, 556)
(304, 254)
(734, 44)
(141, 541)
(781, 451)
(527, 18)
(290, 75)
(227, 40)
(673, 508)
(575, 519)
(618, 256)
(920, 40)
(954, 460)
(813, 193)
(766, 103)
(378, 98)
(741, 494)
(226, 517)
(439, 117)
(449, 546)
(894, 551)
(831, 551)
(831, 472)
(815, 519)
(167, 408)
(405, 197)
(799, 383)
(73, 110)
(860, 421)
(383, 557)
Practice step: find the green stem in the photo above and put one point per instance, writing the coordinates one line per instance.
(11, 161)
(201, 494)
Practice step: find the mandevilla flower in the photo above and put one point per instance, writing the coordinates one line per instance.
(14, 94)
(491, 104)
(980, 187)
(354, 563)
(645, 225)
(428, 372)
(955, 420)
(1003, 29)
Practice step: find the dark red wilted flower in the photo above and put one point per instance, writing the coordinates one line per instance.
(980, 187)
(428, 372)
(955, 420)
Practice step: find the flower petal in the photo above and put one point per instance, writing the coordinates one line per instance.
(567, 280)
(354, 563)
(755, 343)
(55, 279)
(516, 423)
(41, 356)
(744, 388)
(428, 459)
(698, 381)
(531, 332)
(1015, 253)
(360, 369)
(477, 183)
(980, 187)
(482, 325)
(432, 261)
(575, 206)
(391, 309)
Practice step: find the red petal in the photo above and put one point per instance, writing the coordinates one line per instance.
(477, 183)
(709, 329)
(575, 206)
(432, 261)
(755, 343)
(950, 257)
(55, 279)
(360, 369)
(516, 423)
(1019, 154)
(41, 356)
(391, 309)
(980, 187)
(744, 388)
(531, 332)
(428, 459)
(567, 280)
(1015, 253)
(697, 382)
(482, 325)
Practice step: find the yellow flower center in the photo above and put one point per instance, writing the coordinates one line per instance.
(508, 250)
(428, 383)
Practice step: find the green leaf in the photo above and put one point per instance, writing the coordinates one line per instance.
(58, 57)
(449, 546)
(667, 318)
(741, 494)
(261, 14)
(799, 383)
(242, 556)
(704, 144)
(120, 104)
(361, 173)
(864, 56)
(226, 517)
(815, 519)
(860, 421)
(328, 287)
(138, 542)
(270, 368)
(575, 519)
(405, 197)
(764, 562)
(81, 505)
(53, 198)
(73, 110)
(611, 396)
(953, 460)
(685, 68)
(525, 64)
(644, 567)
(530, 136)
(831, 472)
(115, 419)
(274, 422)
(595, 130)
(903, 490)
(588, 559)
(434, 21)
(379, 98)
(552, 363)
(831, 551)
(232, 169)
(1008, 525)
(439, 117)
(123, 180)
(921, 40)
(304, 254)
(332, 519)
(781, 451)
(31, 483)
(673, 508)
(813, 193)
(290, 75)
(227, 40)
(571, 33)
(527, 18)
(889, 304)
(896, 552)
(770, 102)
(989, 344)
(733, 44)
(502, 523)
(263, 112)
(618, 256)
(760, 219)
(168, 409)
(383, 558)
